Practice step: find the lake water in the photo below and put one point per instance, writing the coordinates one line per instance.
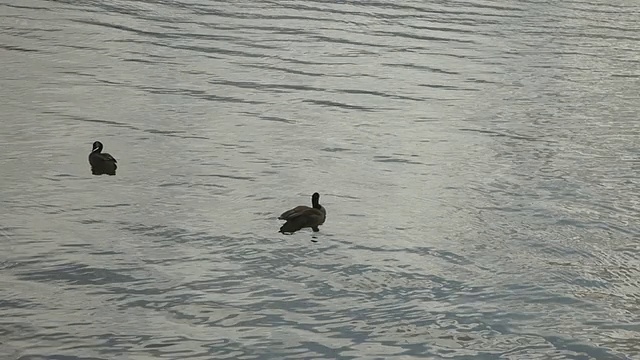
(478, 160)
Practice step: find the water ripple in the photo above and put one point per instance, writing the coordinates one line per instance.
(477, 160)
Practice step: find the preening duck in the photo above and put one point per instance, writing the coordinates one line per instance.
(101, 163)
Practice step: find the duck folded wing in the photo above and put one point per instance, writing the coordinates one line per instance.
(307, 218)
(107, 157)
(295, 212)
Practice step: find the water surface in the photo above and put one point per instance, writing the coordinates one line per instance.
(478, 161)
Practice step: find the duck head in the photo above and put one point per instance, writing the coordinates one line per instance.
(97, 147)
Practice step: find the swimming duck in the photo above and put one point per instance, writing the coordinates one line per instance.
(101, 163)
(303, 216)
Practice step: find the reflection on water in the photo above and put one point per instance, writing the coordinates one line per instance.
(479, 161)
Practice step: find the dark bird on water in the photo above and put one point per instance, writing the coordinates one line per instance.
(101, 163)
(303, 216)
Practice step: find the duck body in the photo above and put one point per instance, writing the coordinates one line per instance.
(101, 163)
(304, 217)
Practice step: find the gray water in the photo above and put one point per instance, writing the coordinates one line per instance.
(478, 161)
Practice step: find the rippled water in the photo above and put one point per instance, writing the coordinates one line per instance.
(478, 161)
